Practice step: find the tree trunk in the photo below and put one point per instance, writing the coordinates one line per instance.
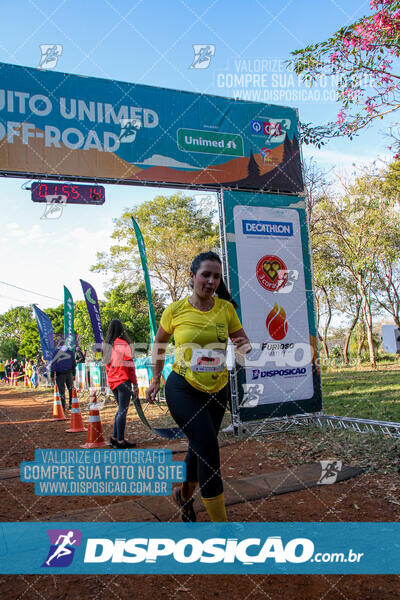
(349, 332)
(366, 296)
(360, 344)
(327, 322)
(325, 347)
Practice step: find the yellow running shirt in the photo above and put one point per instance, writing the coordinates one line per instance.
(200, 341)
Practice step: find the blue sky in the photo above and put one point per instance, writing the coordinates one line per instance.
(151, 42)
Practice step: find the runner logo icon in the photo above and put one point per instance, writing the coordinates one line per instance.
(61, 551)
(271, 273)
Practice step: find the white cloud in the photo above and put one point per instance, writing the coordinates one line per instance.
(158, 160)
(333, 158)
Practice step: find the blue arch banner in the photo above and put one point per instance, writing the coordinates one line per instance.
(59, 125)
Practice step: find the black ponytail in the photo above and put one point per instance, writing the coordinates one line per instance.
(222, 291)
(115, 330)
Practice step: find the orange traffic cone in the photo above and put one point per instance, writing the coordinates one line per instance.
(26, 381)
(16, 380)
(58, 411)
(95, 437)
(76, 417)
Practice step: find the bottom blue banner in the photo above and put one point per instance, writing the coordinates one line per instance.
(199, 548)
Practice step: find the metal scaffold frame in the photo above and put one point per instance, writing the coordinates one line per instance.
(358, 425)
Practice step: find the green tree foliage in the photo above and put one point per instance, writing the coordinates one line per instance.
(356, 231)
(12, 324)
(30, 345)
(174, 229)
(130, 306)
(9, 348)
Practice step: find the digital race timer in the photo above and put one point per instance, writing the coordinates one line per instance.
(68, 193)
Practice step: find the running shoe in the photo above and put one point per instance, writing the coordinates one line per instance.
(125, 444)
(186, 508)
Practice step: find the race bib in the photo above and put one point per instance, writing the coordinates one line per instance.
(207, 361)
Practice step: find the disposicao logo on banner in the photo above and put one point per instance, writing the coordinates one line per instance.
(270, 228)
(192, 550)
(62, 547)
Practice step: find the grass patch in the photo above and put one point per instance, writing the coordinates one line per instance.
(368, 394)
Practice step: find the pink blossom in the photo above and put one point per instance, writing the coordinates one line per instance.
(341, 117)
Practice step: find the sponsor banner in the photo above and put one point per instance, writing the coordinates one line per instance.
(266, 316)
(270, 277)
(92, 304)
(69, 331)
(102, 472)
(95, 374)
(80, 375)
(45, 333)
(199, 548)
(57, 124)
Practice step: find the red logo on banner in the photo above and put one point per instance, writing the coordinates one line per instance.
(272, 129)
(276, 323)
(271, 272)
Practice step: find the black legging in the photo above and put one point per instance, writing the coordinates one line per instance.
(122, 395)
(199, 415)
(62, 380)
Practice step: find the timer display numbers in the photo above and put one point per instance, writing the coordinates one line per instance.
(68, 193)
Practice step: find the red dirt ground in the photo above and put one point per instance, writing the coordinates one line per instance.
(23, 429)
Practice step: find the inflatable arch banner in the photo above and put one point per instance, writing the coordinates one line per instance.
(61, 126)
(267, 250)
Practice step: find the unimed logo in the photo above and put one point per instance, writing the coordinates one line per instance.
(190, 550)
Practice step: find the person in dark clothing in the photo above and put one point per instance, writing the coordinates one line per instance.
(79, 355)
(64, 367)
(7, 370)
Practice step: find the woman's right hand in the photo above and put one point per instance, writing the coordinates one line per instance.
(152, 391)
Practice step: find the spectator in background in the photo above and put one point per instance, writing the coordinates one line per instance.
(2, 373)
(121, 377)
(34, 378)
(7, 370)
(79, 355)
(63, 365)
(14, 370)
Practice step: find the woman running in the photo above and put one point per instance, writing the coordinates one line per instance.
(197, 388)
(121, 377)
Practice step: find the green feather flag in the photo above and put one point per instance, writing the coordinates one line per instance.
(69, 332)
(143, 260)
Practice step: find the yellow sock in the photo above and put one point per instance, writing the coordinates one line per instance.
(216, 508)
(187, 490)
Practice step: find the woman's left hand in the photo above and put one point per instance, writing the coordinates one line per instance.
(242, 345)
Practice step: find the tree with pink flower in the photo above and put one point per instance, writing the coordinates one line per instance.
(363, 57)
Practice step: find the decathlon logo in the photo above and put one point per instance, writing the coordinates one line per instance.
(270, 228)
(190, 550)
(62, 547)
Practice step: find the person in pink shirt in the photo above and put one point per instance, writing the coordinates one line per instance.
(121, 377)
